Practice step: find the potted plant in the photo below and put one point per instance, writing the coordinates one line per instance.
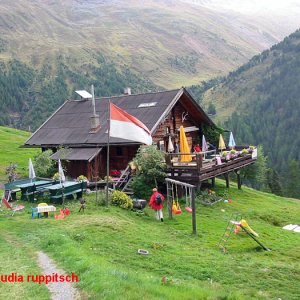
(250, 149)
(56, 177)
(81, 178)
(233, 154)
(244, 152)
(225, 156)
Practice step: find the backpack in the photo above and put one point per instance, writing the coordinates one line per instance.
(158, 199)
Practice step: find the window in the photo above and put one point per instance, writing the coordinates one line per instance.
(149, 104)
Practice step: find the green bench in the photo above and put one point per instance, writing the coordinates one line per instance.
(32, 189)
(66, 189)
(12, 189)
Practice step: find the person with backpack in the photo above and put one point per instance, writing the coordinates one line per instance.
(155, 202)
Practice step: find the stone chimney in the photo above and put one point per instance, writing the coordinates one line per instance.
(127, 91)
(95, 120)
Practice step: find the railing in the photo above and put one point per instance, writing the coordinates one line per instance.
(176, 160)
(198, 157)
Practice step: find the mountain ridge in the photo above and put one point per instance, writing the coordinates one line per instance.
(168, 42)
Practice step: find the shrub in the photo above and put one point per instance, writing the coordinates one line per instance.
(44, 165)
(244, 152)
(142, 186)
(119, 198)
(56, 176)
(81, 178)
(208, 197)
(109, 178)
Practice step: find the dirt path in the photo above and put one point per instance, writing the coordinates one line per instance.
(58, 290)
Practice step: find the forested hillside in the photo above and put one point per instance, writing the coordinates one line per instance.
(260, 103)
(29, 96)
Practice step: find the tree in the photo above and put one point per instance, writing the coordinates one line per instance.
(151, 168)
(274, 182)
(292, 187)
(211, 109)
(11, 172)
(44, 164)
(256, 174)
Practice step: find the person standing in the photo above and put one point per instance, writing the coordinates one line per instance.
(155, 202)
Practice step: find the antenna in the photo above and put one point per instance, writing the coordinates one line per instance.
(93, 100)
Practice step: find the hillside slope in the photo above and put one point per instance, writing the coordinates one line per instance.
(261, 103)
(10, 151)
(171, 43)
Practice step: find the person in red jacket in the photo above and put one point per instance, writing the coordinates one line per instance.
(155, 202)
(197, 148)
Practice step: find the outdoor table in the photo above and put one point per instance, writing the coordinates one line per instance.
(28, 189)
(68, 188)
(44, 209)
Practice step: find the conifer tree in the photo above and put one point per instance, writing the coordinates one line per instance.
(292, 187)
(274, 182)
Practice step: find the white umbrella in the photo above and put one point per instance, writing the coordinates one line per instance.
(31, 170)
(231, 141)
(204, 144)
(170, 145)
(62, 177)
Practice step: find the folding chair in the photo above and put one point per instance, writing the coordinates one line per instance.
(13, 209)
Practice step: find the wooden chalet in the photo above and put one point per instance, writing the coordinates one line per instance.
(77, 133)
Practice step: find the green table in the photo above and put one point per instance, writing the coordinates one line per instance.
(68, 188)
(28, 189)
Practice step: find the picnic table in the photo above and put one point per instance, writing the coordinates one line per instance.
(42, 209)
(28, 189)
(68, 188)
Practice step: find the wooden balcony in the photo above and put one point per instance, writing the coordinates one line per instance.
(205, 166)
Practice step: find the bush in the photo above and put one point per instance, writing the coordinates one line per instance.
(208, 197)
(119, 198)
(142, 186)
(81, 178)
(56, 176)
(44, 165)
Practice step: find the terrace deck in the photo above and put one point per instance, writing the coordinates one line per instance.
(199, 170)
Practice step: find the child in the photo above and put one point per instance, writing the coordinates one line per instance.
(155, 202)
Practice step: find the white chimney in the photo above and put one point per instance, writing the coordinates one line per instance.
(127, 91)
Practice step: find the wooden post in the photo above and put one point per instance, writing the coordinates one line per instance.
(199, 162)
(239, 182)
(213, 181)
(170, 202)
(199, 185)
(194, 211)
(227, 180)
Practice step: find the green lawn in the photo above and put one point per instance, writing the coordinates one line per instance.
(101, 245)
(10, 141)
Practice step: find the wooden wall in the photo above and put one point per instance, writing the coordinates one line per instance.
(177, 117)
(119, 157)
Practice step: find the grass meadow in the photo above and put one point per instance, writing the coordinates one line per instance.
(10, 151)
(100, 246)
